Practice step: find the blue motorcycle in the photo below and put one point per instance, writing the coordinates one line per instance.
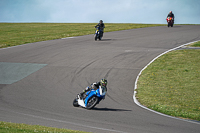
(98, 33)
(90, 99)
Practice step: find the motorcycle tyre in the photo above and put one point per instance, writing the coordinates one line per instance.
(93, 104)
(95, 38)
(75, 103)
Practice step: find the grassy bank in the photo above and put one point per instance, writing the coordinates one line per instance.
(12, 34)
(196, 44)
(6, 127)
(171, 84)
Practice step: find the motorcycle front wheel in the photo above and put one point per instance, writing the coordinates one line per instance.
(75, 103)
(95, 38)
(92, 102)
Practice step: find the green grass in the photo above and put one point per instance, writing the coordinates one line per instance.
(6, 127)
(171, 84)
(196, 44)
(12, 34)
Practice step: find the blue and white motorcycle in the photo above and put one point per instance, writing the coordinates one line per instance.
(98, 33)
(91, 98)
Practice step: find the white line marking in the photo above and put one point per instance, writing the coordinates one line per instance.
(128, 50)
(15, 46)
(67, 37)
(134, 94)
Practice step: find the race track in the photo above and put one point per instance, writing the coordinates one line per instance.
(40, 80)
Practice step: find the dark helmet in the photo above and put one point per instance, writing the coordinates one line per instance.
(101, 21)
(103, 82)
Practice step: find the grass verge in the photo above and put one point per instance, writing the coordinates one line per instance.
(170, 84)
(196, 44)
(12, 34)
(6, 127)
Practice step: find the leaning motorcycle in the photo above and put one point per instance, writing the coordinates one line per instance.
(170, 21)
(90, 99)
(98, 33)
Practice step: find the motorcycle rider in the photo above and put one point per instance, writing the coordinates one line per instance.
(171, 15)
(102, 26)
(95, 86)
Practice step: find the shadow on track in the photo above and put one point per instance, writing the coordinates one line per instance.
(109, 109)
(107, 39)
(176, 26)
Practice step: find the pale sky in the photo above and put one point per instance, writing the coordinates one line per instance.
(91, 11)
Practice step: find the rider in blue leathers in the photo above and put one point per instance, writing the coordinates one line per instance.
(95, 86)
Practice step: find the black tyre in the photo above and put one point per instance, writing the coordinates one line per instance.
(75, 103)
(92, 102)
(168, 24)
(95, 38)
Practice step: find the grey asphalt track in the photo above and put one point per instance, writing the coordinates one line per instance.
(45, 96)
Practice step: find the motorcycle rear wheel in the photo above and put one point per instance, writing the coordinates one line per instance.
(92, 102)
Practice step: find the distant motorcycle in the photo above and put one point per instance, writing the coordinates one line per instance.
(90, 99)
(98, 33)
(170, 21)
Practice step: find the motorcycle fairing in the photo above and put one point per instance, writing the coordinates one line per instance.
(90, 94)
(81, 102)
(100, 93)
